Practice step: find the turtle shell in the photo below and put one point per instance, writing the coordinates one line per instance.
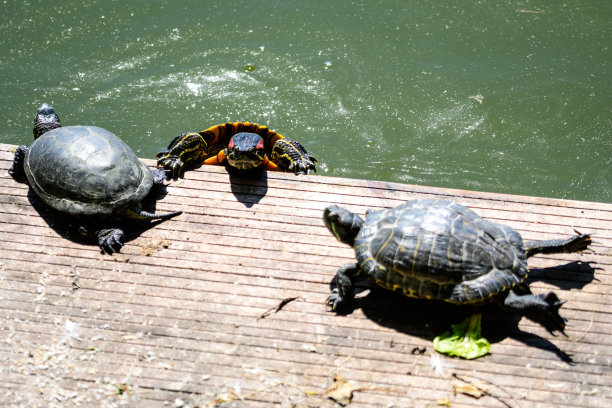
(440, 250)
(246, 141)
(86, 170)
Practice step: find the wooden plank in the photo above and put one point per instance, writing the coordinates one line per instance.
(184, 315)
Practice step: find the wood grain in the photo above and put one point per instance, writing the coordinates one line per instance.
(187, 314)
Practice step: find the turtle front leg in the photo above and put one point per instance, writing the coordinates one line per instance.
(16, 169)
(542, 309)
(344, 291)
(187, 149)
(291, 156)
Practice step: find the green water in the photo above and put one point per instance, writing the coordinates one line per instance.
(511, 96)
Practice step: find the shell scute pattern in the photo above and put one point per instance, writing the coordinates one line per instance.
(440, 250)
(86, 170)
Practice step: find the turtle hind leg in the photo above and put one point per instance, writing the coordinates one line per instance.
(291, 156)
(344, 291)
(17, 170)
(109, 239)
(542, 309)
(576, 243)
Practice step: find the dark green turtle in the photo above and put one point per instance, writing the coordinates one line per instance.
(240, 145)
(442, 250)
(88, 172)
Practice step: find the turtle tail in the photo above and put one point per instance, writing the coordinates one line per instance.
(140, 214)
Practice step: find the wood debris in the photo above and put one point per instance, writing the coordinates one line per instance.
(152, 245)
(341, 391)
(469, 389)
(278, 307)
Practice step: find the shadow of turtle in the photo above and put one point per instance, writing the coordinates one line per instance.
(430, 318)
(248, 186)
(69, 226)
(573, 275)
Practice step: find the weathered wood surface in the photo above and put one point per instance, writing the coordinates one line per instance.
(186, 314)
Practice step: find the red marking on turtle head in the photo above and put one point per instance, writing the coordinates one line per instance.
(260, 144)
(231, 142)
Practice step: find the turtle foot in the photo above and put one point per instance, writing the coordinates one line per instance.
(336, 301)
(291, 156)
(172, 166)
(109, 240)
(159, 176)
(303, 166)
(578, 243)
(343, 293)
(16, 169)
(542, 309)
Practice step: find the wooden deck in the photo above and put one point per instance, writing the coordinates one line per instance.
(224, 306)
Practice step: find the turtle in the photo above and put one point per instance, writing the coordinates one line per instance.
(88, 172)
(442, 250)
(238, 145)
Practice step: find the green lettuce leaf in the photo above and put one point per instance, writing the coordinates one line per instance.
(465, 340)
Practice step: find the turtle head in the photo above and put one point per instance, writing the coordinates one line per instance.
(45, 120)
(344, 224)
(245, 151)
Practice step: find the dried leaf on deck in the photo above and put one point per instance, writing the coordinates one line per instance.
(469, 389)
(341, 391)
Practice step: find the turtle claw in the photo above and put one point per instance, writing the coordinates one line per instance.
(336, 301)
(302, 167)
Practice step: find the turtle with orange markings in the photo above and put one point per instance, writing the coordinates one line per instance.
(239, 145)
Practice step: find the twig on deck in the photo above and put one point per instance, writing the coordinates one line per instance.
(587, 330)
(487, 392)
(278, 307)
